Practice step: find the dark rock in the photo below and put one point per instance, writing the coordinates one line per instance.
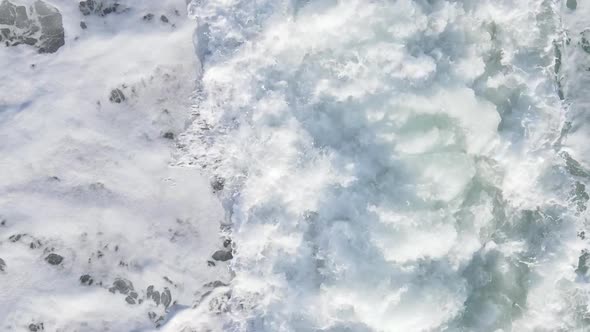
(30, 41)
(226, 243)
(54, 259)
(83, 25)
(122, 286)
(36, 327)
(156, 297)
(86, 280)
(148, 17)
(86, 7)
(150, 291)
(22, 20)
(117, 96)
(15, 238)
(218, 183)
(7, 13)
(164, 19)
(210, 263)
(130, 300)
(216, 283)
(169, 135)
(572, 4)
(585, 44)
(166, 297)
(35, 244)
(583, 261)
(52, 31)
(2, 265)
(222, 255)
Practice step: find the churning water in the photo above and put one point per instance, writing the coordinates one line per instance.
(398, 165)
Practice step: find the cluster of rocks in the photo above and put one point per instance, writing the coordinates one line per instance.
(40, 26)
(36, 327)
(94, 7)
(117, 96)
(149, 17)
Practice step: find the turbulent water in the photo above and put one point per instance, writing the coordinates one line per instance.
(376, 165)
(397, 165)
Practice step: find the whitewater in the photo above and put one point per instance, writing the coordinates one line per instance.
(299, 165)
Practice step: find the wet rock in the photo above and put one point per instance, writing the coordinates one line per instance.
(30, 41)
(148, 17)
(131, 298)
(54, 259)
(222, 255)
(22, 20)
(572, 4)
(86, 280)
(215, 284)
(156, 297)
(90, 7)
(226, 243)
(584, 43)
(169, 135)
(35, 244)
(218, 183)
(7, 13)
(583, 261)
(117, 96)
(52, 31)
(122, 286)
(166, 297)
(164, 19)
(15, 238)
(83, 25)
(36, 327)
(2, 265)
(86, 7)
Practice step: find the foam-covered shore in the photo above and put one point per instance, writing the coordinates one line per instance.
(91, 212)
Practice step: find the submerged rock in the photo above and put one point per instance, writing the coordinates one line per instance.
(122, 286)
(583, 261)
(148, 17)
(164, 19)
(572, 4)
(166, 297)
(54, 259)
(222, 255)
(83, 25)
(36, 327)
(117, 96)
(86, 280)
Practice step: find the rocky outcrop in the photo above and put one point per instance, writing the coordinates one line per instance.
(100, 8)
(40, 26)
